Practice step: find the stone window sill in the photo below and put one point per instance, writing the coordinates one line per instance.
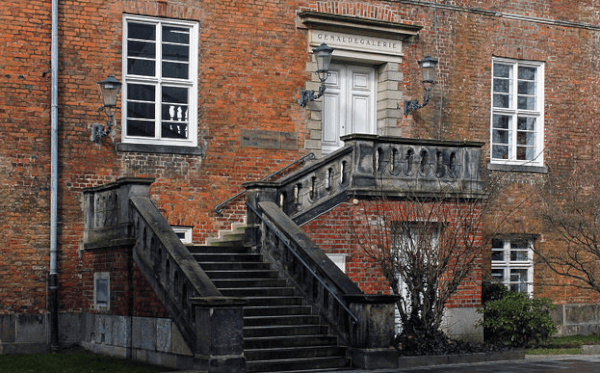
(517, 168)
(162, 149)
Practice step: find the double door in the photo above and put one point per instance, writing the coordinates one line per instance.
(348, 104)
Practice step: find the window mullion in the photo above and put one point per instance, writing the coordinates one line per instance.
(158, 108)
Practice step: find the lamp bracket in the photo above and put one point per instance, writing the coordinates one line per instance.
(99, 132)
(412, 105)
(307, 95)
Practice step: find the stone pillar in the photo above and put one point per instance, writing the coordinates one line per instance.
(373, 335)
(261, 191)
(219, 335)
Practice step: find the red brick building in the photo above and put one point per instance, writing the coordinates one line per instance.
(210, 101)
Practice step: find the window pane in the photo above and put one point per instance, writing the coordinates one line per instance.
(500, 152)
(175, 130)
(497, 243)
(526, 88)
(526, 124)
(175, 52)
(101, 291)
(140, 128)
(502, 121)
(175, 70)
(502, 85)
(500, 137)
(519, 255)
(174, 95)
(141, 67)
(502, 71)
(140, 92)
(526, 103)
(141, 49)
(527, 73)
(498, 255)
(501, 100)
(525, 153)
(498, 274)
(179, 35)
(141, 31)
(140, 110)
(525, 138)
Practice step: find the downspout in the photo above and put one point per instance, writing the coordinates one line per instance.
(53, 283)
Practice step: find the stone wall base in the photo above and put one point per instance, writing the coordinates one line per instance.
(577, 319)
(460, 323)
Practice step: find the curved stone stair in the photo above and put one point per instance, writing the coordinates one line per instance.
(280, 332)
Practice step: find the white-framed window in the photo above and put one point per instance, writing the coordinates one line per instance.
(339, 260)
(183, 233)
(517, 123)
(512, 263)
(160, 81)
(101, 291)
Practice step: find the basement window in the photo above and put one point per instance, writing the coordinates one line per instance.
(183, 233)
(102, 291)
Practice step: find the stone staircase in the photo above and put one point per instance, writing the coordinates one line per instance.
(280, 332)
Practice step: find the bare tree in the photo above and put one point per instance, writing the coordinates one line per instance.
(426, 246)
(570, 210)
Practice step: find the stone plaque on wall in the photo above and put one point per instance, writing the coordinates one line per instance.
(269, 139)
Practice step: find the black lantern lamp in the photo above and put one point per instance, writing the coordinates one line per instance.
(323, 54)
(427, 65)
(109, 91)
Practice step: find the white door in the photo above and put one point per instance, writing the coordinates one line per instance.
(348, 104)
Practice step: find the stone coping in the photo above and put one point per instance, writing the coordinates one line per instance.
(479, 357)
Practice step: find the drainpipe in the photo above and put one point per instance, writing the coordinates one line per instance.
(53, 283)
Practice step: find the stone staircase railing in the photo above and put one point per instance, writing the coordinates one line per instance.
(122, 214)
(365, 323)
(367, 166)
(376, 166)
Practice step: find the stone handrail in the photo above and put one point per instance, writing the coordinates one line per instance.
(337, 298)
(122, 214)
(372, 165)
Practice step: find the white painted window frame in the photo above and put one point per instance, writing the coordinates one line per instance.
(186, 231)
(514, 112)
(101, 276)
(506, 264)
(158, 81)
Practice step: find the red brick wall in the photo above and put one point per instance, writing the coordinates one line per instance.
(340, 230)
(252, 65)
(130, 293)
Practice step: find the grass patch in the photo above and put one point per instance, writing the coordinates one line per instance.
(72, 362)
(554, 351)
(570, 345)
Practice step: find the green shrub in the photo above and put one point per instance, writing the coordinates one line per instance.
(518, 319)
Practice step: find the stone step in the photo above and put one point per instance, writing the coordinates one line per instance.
(300, 365)
(248, 292)
(281, 320)
(249, 282)
(241, 274)
(290, 341)
(227, 257)
(217, 266)
(294, 352)
(280, 330)
(277, 310)
(273, 301)
(231, 248)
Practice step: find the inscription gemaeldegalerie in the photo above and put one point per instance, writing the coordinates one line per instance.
(369, 44)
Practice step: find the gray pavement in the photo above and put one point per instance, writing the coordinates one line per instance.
(533, 364)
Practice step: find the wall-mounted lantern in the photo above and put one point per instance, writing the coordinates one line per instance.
(109, 91)
(427, 65)
(323, 54)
